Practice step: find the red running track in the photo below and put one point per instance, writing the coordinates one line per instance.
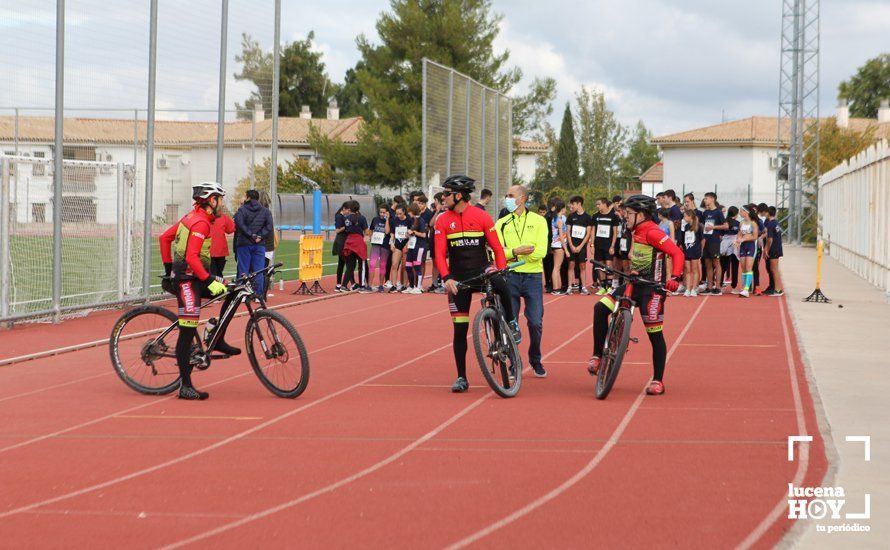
(378, 452)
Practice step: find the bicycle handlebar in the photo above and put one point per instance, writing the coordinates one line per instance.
(490, 274)
(269, 269)
(630, 276)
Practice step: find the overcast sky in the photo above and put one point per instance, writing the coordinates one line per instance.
(675, 64)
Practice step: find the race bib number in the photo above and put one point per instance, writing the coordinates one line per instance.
(683, 225)
(689, 238)
(377, 237)
(603, 231)
(556, 244)
(402, 232)
(623, 244)
(579, 231)
(709, 228)
(412, 242)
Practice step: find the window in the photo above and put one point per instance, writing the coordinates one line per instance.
(12, 163)
(38, 212)
(38, 168)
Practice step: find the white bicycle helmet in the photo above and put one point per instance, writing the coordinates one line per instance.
(207, 189)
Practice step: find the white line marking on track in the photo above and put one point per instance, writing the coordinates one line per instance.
(218, 382)
(186, 417)
(569, 483)
(804, 460)
(297, 325)
(204, 450)
(358, 475)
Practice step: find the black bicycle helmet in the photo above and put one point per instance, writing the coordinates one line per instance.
(641, 203)
(459, 183)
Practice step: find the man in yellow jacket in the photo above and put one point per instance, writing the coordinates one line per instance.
(523, 235)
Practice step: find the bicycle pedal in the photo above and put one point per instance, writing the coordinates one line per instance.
(635, 340)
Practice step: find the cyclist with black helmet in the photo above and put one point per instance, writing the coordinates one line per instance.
(648, 253)
(185, 251)
(462, 234)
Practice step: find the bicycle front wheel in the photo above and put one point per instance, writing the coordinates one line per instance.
(143, 350)
(277, 353)
(497, 353)
(616, 344)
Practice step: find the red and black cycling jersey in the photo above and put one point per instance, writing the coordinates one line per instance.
(460, 244)
(647, 254)
(190, 240)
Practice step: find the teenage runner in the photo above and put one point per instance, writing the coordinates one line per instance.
(650, 245)
(578, 230)
(692, 248)
(729, 259)
(400, 226)
(746, 244)
(557, 245)
(773, 253)
(605, 224)
(714, 224)
(417, 248)
(462, 233)
(380, 231)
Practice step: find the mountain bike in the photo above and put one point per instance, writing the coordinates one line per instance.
(496, 349)
(143, 343)
(618, 335)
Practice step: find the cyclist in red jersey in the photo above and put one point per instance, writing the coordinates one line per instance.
(647, 257)
(460, 254)
(185, 251)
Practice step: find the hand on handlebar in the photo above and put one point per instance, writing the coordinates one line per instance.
(671, 285)
(451, 286)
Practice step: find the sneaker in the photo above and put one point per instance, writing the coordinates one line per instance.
(593, 365)
(226, 349)
(778, 293)
(744, 294)
(584, 291)
(460, 385)
(693, 293)
(758, 292)
(440, 289)
(381, 289)
(539, 371)
(517, 334)
(338, 288)
(681, 289)
(687, 294)
(716, 292)
(365, 290)
(387, 285)
(191, 394)
(557, 293)
(736, 291)
(702, 286)
(656, 387)
(569, 291)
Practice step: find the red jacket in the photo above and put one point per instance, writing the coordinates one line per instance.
(191, 258)
(460, 243)
(219, 244)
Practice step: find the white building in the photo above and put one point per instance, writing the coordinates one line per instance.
(736, 159)
(185, 154)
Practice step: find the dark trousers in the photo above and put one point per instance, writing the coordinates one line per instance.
(527, 286)
(730, 264)
(548, 271)
(341, 264)
(217, 265)
(769, 272)
(756, 268)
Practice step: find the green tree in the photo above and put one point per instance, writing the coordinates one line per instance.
(458, 34)
(530, 111)
(601, 139)
(545, 165)
(836, 145)
(865, 89)
(640, 154)
(303, 80)
(289, 180)
(350, 98)
(567, 152)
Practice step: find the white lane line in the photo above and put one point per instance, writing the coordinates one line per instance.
(569, 483)
(781, 507)
(224, 380)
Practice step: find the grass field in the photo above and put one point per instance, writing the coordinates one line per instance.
(90, 271)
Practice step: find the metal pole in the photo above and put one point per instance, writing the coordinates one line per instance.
(135, 140)
(57, 157)
(497, 149)
(423, 181)
(221, 114)
(16, 132)
(4, 239)
(253, 149)
(276, 73)
(483, 137)
(150, 149)
(450, 102)
(510, 137)
(121, 234)
(467, 155)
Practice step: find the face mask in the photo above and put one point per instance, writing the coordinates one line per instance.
(510, 204)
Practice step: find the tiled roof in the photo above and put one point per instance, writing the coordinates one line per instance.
(655, 173)
(758, 130)
(291, 130)
(531, 146)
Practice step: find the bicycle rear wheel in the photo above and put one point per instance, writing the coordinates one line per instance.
(277, 353)
(613, 354)
(143, 350)
(497, 353)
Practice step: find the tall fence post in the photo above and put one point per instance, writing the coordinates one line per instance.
(484, 122)
(221, 114)
(423, 102)
(276, 75)
(497, 151)
(150, 149)
(450, 107)
(57, 158)
(5, 252)
(121, 233)
(467, 155)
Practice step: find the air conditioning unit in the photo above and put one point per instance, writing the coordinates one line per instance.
(162, 163)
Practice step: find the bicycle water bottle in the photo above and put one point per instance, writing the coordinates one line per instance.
(208, 330)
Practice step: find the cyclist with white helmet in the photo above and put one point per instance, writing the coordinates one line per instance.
(185, 251)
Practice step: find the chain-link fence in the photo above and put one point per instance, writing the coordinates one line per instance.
(466, 130)
(113, 112)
